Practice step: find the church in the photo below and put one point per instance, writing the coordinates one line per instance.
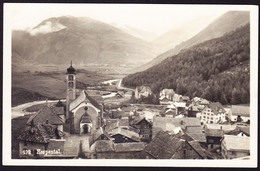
(83, 113)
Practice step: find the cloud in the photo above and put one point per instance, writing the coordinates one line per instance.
(47, 27)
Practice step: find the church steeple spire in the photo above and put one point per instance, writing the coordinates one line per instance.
(71, 70)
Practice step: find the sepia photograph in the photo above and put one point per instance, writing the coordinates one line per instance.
(149, 84)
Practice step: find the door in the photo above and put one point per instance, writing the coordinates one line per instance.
(85, 129)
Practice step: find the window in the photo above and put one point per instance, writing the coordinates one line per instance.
(71, 78)
(71, 85)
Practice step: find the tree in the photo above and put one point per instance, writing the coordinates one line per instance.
(236, 96)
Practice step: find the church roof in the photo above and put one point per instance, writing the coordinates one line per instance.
(45, 113)
(84, 97)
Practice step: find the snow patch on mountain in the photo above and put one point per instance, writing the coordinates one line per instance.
(47, 27)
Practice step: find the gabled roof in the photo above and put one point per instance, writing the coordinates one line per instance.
(240, 110)
(40, 133)
(196, 133)
(163, 146)
(129, 147)
(214, 132)
(236, 143)
(58, 110)
(100, 132)
(137, 120)
(176, 122)
(196, 146)
(216, 108)
(116, 123)
(130, 134)
(84, 97)
(224, 127)
(44, 114)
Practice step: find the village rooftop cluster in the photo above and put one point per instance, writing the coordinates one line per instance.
(179, 128)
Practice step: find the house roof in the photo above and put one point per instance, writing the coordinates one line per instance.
(214, 132)
(39, 133)
(245, 129)
(240, 110)
(236, 143)
(162, 122)
(44, 114)
(200, 137)
(216, 108)
(169, 92)
(58, 110)
(100, 132)
(104, 146)
(163, 145)
(84, 97)
(185, 98)
(225, 128)
(137, 120)
(196, 133)
(127, 133)
(116, 123)
(196, 146)
(143, 89)
(128, 147)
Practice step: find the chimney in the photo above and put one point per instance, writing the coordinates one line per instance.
(181, 122)
(221, 127)
(47, 121)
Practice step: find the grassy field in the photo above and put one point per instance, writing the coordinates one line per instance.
(28, 86)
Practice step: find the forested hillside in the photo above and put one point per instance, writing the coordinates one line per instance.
(217, 70)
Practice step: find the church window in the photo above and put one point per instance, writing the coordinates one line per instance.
(71, 78)
(71, 85)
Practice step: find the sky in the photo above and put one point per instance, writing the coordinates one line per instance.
(156, 18)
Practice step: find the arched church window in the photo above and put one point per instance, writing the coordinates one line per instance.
(71, 78)
(71, 85)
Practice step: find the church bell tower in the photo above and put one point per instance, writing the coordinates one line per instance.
(71, 87)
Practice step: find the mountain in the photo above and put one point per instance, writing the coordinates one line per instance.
(142, 34)
(217, 70)
(223, 24)
(180, 33)
(81, 39)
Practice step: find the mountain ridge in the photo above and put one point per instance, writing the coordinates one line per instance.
(225, 23)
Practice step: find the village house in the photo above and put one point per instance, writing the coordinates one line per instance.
(116, 123)
(47, 115)
(235, 146)
(214, 137)
(166, 146)
(121, 135)
(239, 113)
(142, 91)
(99, 134)
(185, 99)
(144, 127)
(213, 113)
(177, 98)
(193, 111)
(40, 141)
(240, 131)
(164, 101)
(167, 93)
(190, 126)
